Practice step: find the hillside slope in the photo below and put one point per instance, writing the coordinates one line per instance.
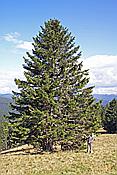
(101, 162)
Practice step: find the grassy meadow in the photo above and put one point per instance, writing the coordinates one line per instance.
(103, 161)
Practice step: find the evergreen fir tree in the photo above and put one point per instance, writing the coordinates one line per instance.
(53, 103)
(110, 117)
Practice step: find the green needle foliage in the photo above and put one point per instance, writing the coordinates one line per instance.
(53, 102)
(110, 117)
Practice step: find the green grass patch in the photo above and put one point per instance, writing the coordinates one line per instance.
(101, 162)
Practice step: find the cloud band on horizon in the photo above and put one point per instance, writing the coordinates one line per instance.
(102, 69)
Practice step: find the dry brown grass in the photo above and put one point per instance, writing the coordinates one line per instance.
(102, 162)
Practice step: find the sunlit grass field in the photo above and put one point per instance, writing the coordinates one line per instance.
(103, 161)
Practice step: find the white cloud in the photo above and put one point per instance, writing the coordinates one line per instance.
(19, 44)
(7, 83)
(101, 61)
(11, 37)
(105, 90)
(25, 45)
(103, 73)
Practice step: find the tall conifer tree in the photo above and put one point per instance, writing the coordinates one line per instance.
(53, 102)
(110, 116)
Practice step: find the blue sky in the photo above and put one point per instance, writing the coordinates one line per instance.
(92, 22)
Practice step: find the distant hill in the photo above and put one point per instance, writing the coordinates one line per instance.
(5, 100)
(105, 97)
(9, 96)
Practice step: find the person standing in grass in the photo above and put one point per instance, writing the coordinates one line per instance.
(90, 140)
